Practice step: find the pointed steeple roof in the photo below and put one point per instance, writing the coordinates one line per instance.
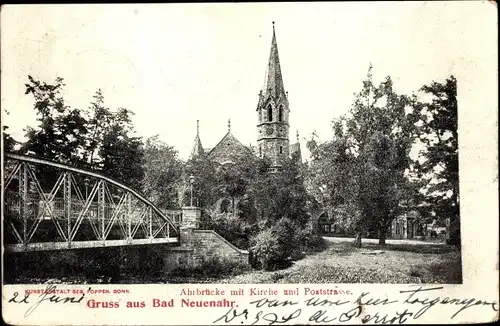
(274, 81)
(197, 148)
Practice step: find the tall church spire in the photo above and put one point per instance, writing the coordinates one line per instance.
(274, 81)
(273, 111)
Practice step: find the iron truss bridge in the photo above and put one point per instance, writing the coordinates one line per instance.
(52, 206)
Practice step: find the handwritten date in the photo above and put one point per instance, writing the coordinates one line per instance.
(46, 296)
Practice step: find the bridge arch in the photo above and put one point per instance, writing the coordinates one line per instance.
(59, 216)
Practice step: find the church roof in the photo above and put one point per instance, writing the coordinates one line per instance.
(228, 148)
(273, 85)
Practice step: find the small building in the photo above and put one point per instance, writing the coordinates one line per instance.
(326, 224)
(405, 226)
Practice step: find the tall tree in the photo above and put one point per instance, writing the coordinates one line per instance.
(278, 195)
(382, 127)
(206, 188)
(121, 152)
(331, 175)
(60, 135)
(440, 165)
(96, 138)
(235, 178)
(362, 170)
(99, 121)
(162, 173)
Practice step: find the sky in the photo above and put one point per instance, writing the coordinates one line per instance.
(173, 64)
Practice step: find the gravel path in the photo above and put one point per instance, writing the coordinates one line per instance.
(400, 261)
(388, 241)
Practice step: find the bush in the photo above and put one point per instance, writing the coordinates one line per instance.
(231, 228)
(310, 240)
(276, 246)
(266, 252)
(286, 231)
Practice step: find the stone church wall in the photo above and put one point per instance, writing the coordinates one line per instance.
(271, 148)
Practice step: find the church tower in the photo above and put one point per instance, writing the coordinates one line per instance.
(273, 112)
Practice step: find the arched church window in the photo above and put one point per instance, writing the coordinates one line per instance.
(281, 149)
(280, 113)
(269, 113)
(224, 206)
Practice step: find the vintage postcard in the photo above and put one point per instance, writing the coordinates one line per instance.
(249, 163)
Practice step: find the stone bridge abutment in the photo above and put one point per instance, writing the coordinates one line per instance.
(197, 246)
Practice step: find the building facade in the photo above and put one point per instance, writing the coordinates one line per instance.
(405, 226)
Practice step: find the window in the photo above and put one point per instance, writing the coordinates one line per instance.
(280, 113)
(224, 205)
(281, 149)
(260, 151)
(269, 113)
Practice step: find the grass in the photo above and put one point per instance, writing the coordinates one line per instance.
(400, 263)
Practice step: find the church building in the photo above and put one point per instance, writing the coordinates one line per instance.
(273, 114)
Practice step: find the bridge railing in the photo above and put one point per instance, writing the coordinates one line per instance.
(47, 202)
